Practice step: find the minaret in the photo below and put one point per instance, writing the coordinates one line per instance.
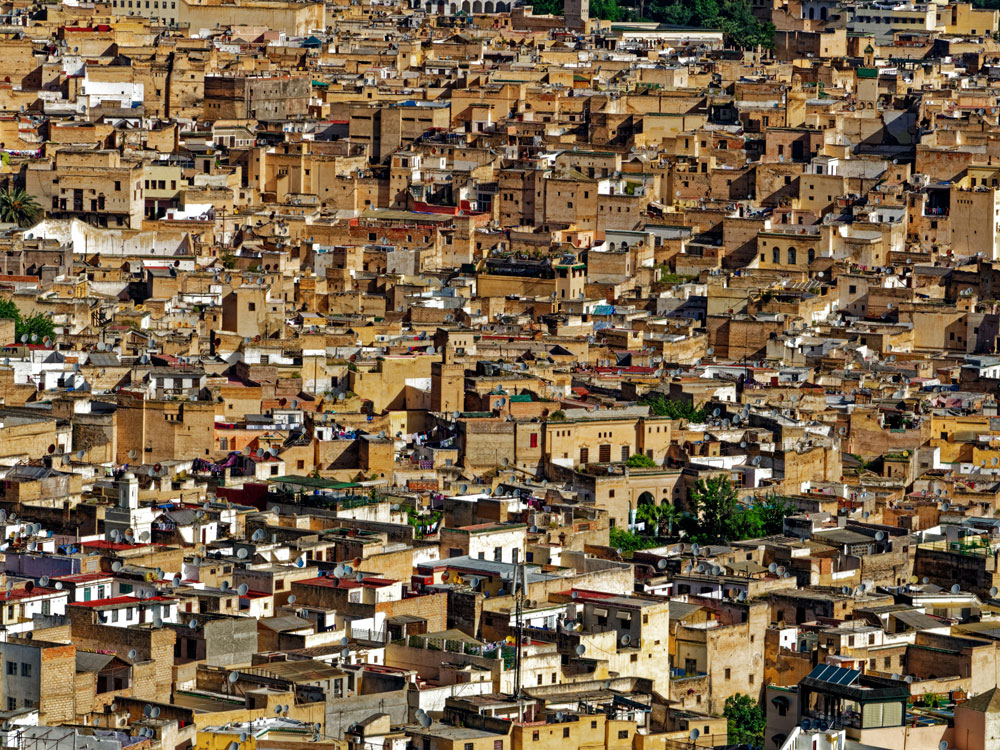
(577, 14)
(128, 492)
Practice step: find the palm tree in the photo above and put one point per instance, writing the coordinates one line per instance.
(18, 206)
(670, 516)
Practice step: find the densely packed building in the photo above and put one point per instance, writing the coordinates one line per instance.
(463, 375)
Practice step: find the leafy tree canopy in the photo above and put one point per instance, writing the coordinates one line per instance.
(627, 541)
(718, 515)
(661, 406)
(745, 720)
(36, 326)
(640, 461)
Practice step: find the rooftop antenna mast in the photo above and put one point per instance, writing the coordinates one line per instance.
(518, 624)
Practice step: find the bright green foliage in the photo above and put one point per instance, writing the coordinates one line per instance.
(661, 406)
(607, 10)
(718, 515)
(659, 519)
(18, 206)
(626, 541)
(734, 17)
(640, 461)
(746, 721)
(37, 327)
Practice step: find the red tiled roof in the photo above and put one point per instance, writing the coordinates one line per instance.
(119, 600)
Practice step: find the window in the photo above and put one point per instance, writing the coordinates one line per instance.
(11, 704)
(534, 736)
(118, 186)
(593, 724)
(468, 746)
(534, 440)
(25, 669)
(12, 667)
(565, 731)
(623, 734)
(728, 673)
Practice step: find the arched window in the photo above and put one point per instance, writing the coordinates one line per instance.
(791, 256)
(776, 255)
(811, 255)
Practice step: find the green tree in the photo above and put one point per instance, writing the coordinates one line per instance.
(640, 461)
(717, 514)
(767, 518)
(36, 327)
(656, 517)
(661, 406)
(18, 206)
(547, 7)
(8, 310)
(607, 10)
(735, 18)
(745, 720)
(627, 541)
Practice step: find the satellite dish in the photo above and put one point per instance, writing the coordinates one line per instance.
(242, 553)
(694, 734)
(291, 599)
(132, 654)
(116, 566)
(233, 677)
(242, 589)
(581, 650)
(193, 624)
(956, 589)
(258, 535)
(879, 536)
(155, 712)
(43, 581)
